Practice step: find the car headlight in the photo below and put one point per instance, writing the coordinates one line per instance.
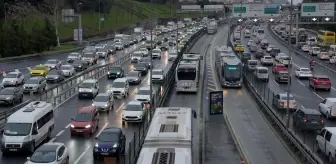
(90, 90)
(108, 72)
(81, 90)
(72, 126)
(123, 91)
(8, 98)
(139, 116)
(56, 77)
(96, 145)
(41, 73)
(26, 139)
(118, 73)
(79, 66)
(115, 145)
(93, 104)
(87, 126)
(104, 105)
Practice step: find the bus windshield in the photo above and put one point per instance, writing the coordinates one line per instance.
(186, 73)
(232, 72)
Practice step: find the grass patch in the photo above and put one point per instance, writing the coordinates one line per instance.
(63, 47)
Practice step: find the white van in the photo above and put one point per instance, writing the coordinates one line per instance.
(88, 88)
(326, 142)
(252, 64)
(28, 127)
(118, 38)
(261, 73)
(247, 33)
(328, 107)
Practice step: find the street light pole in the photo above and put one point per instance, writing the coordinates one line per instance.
(79, 41)
(56, 24)
(151, 62)
(290, 63)
(297, 29)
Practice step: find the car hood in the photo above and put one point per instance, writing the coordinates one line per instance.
(9, 79)
(106, 145)
(157, 76)
(66, 70)
(80, 124)
(132, 113)
(29, 162)
(142, 97)
(30, 85)
(87, 58)
(73, 57)
(4, 97)
(118, 46)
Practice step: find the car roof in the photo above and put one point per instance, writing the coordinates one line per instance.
(48, 147)
(13, 73)
(310, 111)
(112, 130)
(321, 76)
(285, 95)
(134, 102)
(90, 81)
(120, 80)
(86, 109)
(68, 65)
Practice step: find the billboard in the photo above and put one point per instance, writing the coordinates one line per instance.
(255, 10)
(318, 9)
(216, 102)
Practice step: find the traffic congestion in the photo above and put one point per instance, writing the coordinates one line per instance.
(107, 111)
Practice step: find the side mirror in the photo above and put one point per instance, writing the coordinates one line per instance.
(28, 158)
(34, 132)
(194, 114)
(59, 158)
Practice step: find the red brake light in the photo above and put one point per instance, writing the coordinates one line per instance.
(197, 84)
(322, 121)
(304, 120)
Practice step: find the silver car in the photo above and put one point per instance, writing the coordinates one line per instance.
(134, 77)
(102, 52)
(53, 63)
(35, 84)
(143, 95)
(119, 45)
(74, 56)
(157, 75)
(103, 102)
(55, 76)
(68, 70)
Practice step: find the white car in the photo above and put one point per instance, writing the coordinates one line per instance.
(303, 73)
(143, 95)
(250, 42)
(51, 153)
(134, 112)
(157, 75)
(74, 56)
(102, 52)
(267, 60)
(13, 79)
(279, 56)
(314, 51)
(305, 48)
(119, 46)
(53, 63)
(144, 51)
(269, 48)
(68, 70)
(156, 53)
(323, 56)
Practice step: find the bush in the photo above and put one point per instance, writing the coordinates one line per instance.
(17, 41)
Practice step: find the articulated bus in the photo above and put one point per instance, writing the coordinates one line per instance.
(187, 74)
(325, 38)
(230, 72)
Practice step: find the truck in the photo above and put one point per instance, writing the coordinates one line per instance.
(212, 27)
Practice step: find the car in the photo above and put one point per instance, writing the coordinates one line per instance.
(119, 87)
(259, 54)
(269, 48)
(278, 67)
(148, 62)
(280, 56)
(144, 51)
(13, 79)
(280, 101)
(143, 95)
(323, 56)
(261, 74)
(68, 70)
(156, 53)
(111, 48)
(88, 88)
(282, 77)
(111, 142)
(53, 63)
(264, 44)
(102, 52)
(239, 48)
(141, 67)
(237, 42)
(275, 51)
(250, 42)
(267, 60)
(305, 48)
(314, 51)
(158, 75)
(119, 46)
(35, 84)
(303, 73)
(55, 76)
(328, 107)
(40, 70)
(253, 48)
(11, 95)
(320, 82)
(134, 77)
(308, 119)
(103, 102)
(86, 121)
(89, 49)
(115, 72)
(137, 56)
(135, 111)
(90, 58)
(51, 153)
(74, 56)
(80, 65)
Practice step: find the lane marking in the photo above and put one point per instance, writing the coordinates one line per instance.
(301, 83)
(318, 95)
(295, 65)
(333, 88)
(59, 133)
(211, 84)
(102, 129)
(52, 140)
(276, 83)
(81, 156)
(68, 126)
(212, 88)
(121, 106)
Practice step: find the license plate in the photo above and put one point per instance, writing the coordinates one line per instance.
(85, 94)
(104, 153)
(12, 149)
(186, 87)
(79, 130)
(314, 122)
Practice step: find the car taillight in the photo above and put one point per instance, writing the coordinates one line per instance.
(322, 121)
(282, 103)
(305, 121)
(197, 84)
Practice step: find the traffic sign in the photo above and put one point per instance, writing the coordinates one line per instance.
(255, 10)
(76, 34)
(318, 9)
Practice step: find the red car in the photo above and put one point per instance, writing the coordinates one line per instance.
(320, 82)
(85, 121)
(279, 67)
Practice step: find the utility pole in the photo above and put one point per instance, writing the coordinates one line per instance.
(290, 63)
(297, 28)
(151, 62)
(56, 24)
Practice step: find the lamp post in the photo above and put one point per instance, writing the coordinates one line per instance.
(79, 41)
(99, 15)
(56, 24)
(151, 61)
(5, 12)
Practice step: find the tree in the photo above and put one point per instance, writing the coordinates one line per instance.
(36, 40)
(2, 41)
(49, 33)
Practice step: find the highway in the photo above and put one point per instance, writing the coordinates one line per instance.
(258, 139)
(305, 96)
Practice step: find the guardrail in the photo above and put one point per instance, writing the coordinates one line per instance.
(66, 89)
(319, 64)
(264, 98)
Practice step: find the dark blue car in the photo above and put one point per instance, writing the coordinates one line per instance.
(110, 143)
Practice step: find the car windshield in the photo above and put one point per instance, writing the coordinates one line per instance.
(285, 98)
(283, 73)
(323, 79)
(32, 81)
(51, 62)
(84, 117)
(156, 51)
(100, 49)
(157, 72)
(78, 62)
(144, 92)
(108, 137)
(53, 72)
(101, 98)
(313, 117)
(143, 49)
(86, 85)
(43, 156)
(11, 75)
(115, 69)
(118, 44)
(17, 129)
(38, 68)
(7, 91)
(133, 73)
(253, 63)
(137, 54)
(65, 67)
(132, 107)
(316, 48)
(262, 71)
(118, 85)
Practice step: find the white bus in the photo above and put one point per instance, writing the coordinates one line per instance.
(169, 139)
(28, 127)
(187, 76)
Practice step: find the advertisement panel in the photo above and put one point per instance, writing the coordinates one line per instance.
(255, 10)
(216, 102)
(318, 9)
